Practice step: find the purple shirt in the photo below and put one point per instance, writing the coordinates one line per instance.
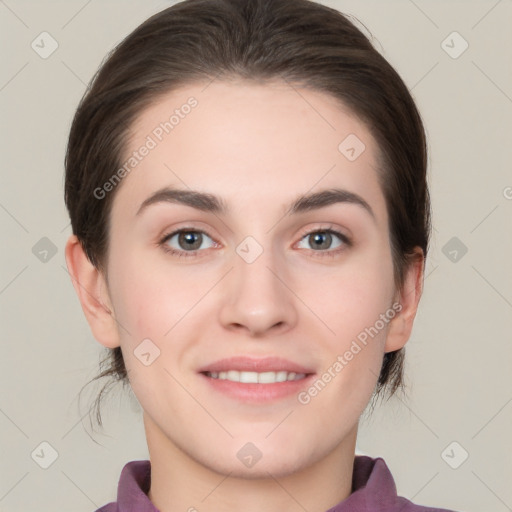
(373, 490)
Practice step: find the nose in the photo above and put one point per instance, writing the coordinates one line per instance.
(258, 297)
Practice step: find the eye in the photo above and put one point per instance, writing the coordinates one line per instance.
(183, 241)
(186, 242)
(323, 239)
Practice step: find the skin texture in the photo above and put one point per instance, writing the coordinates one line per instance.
(259, 147)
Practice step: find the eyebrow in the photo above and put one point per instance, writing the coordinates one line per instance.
(211, 203)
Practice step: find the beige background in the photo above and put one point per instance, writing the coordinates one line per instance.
(459, 360)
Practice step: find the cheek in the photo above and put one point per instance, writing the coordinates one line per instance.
(359, 317)
(149, 296)
(355, 302)
(351, 297)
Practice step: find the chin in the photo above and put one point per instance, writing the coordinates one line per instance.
(278, 465)
(258, 458)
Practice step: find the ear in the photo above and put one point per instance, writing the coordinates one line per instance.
(408, 297)
(92, 291)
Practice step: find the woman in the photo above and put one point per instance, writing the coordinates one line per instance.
(246, 183)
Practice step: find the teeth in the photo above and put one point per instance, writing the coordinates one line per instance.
(233, 375)
(255, 377)
(247, 377)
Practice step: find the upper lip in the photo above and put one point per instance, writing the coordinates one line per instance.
(251, 364)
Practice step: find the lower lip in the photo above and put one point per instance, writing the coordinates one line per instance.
(258, 393)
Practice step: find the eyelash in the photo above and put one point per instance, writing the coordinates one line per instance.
(347, 242)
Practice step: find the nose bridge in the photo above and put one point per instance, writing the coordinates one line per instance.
(255, 268)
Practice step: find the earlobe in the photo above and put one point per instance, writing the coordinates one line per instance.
(400, 327)
(92, 291)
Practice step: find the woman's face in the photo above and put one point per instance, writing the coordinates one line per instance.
(285, 291)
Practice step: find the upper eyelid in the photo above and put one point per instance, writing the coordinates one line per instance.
(185, 230)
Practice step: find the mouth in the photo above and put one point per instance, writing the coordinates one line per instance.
(256, 380)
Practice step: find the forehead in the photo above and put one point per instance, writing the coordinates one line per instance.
(248, 142)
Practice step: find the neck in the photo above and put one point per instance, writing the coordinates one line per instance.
(180, 483)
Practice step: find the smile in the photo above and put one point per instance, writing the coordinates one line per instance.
(256, 377)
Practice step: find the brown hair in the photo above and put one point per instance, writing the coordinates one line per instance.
(302, 42)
